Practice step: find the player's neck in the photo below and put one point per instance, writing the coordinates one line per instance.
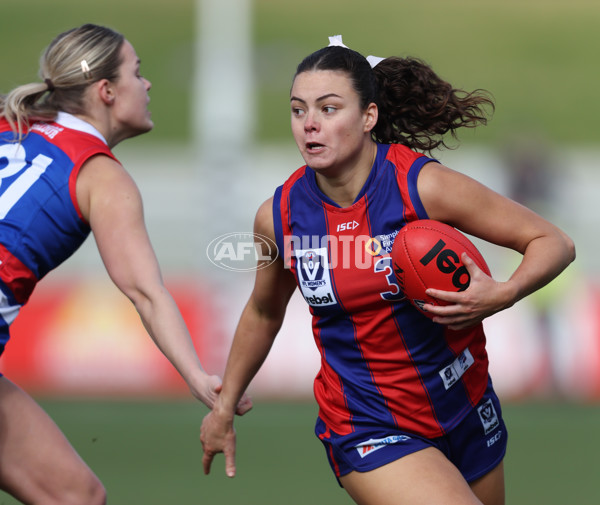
(344, 187)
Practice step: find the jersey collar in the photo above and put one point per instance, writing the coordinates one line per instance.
(70, 121)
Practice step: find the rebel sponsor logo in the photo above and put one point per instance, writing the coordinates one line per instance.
(374, 444)
(320, 300)
(314, 276)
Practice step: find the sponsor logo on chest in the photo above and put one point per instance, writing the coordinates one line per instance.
(314, 276)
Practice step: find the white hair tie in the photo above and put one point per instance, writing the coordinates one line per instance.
(336, 40)
(374, 60)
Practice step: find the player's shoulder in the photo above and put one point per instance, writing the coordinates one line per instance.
(294, 177)
(103, 170)
(263, 222)
(402, 155)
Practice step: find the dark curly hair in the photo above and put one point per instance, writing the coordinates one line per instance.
(416, 107)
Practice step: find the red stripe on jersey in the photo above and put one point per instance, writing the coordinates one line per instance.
(407, 389)
(19, 279)
(76, 145)
(475, 377)
(403, 158)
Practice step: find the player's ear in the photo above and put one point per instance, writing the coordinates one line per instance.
(371, 115)
(106, 91)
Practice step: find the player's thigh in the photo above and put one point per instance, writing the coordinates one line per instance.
(425, 477)
(490, 488)
(36, 460)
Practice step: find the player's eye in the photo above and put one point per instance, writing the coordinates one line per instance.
(297, 111)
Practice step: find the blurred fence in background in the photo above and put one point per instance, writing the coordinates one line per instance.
(79, 335)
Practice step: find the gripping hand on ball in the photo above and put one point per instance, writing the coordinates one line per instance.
(464, 309)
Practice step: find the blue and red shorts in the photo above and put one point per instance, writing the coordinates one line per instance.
(476, 446)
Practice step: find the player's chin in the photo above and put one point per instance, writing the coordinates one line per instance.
(143, 127)
(149, 124)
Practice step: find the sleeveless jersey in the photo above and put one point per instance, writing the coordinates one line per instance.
(40, 221)
(382, 361)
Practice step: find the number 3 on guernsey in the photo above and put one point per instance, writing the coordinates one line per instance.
(384, 265)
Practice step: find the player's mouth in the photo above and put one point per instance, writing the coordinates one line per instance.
(314, 147)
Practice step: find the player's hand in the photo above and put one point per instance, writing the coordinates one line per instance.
(481, 299)
(210, 391)
(243, 406)
(218, 435)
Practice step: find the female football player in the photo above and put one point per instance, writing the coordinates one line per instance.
(407, 410)
(59, 181)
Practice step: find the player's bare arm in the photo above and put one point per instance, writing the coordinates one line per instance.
(479, 211)
(259, 323)
(111, 202)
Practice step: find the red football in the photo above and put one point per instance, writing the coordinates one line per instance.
(427, 254)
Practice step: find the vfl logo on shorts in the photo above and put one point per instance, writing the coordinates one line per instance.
(314, 280)
(488, 416)
(374, 444)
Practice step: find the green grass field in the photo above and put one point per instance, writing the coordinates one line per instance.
(148, 453)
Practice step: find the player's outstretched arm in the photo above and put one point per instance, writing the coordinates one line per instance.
(110, 201)
(258, 326)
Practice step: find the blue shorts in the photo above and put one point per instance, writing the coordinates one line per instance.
(476, 446)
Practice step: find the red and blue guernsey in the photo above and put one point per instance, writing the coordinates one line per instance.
(382, 362)
(40, 221)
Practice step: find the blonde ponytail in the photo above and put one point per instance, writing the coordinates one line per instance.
(73, 61)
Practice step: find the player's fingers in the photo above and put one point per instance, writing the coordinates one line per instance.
(207, 462)
(244, 405)
(230, 462)
(446, 296)
(472, 267)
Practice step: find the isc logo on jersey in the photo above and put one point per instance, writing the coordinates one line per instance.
(313, 276)
(349, 226)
